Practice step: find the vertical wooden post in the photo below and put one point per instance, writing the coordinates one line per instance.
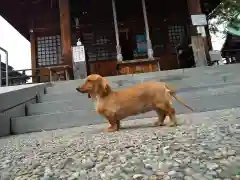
(199, 51)
(33, 55)
(199, 43)
(118, 47)
(149, 42)
(65, 25)
(194, 7)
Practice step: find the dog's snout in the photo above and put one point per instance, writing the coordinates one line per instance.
(78, 89)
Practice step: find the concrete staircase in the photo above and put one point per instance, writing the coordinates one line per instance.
(62, 107)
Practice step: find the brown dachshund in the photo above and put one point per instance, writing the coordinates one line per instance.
(141, 98)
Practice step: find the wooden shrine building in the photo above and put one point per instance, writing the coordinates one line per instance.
(131, 36)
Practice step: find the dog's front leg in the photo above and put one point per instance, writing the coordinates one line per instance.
(113, 125)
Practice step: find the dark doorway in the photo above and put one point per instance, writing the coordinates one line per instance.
(125, 38)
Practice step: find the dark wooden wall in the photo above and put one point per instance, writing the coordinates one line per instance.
(161, 15)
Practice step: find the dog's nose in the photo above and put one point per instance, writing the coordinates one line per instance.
(77, 89)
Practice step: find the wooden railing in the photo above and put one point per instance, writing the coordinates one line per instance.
(22, 76)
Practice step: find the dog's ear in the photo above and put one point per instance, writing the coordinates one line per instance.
(104, 89)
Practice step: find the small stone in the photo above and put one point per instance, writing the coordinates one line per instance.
(65, 163)
(108, 167)
(225, 162)
(166, 177)
(137, 161)
(137, 170)
(179, 175)
(212, 166)
(187, 160)
(88, 164)
(231, 152)
(199, 176)
(175, 164)
(160, 173)
(123, 159)
(166, 150)
(103, 176)
(74, 176)
(188, 178)
(82, 173)
(101, 165)
(37, 171)
(124, 176)
(5, 176)
(188, 171)
(129, 154)
(148, 166)
(138, 176)
(48, 172)
(115, 153)
(210, 174)
(35, 164)
(128, 169)
(153, 177)
(45, 178)
(148, 172)
(171, 173)
(217, 155)
(176, 148)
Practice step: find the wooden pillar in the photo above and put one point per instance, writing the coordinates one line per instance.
(149, 42)
(33, 55)
(199, 41)
(65, 25)
(194, 7)
(118, 47)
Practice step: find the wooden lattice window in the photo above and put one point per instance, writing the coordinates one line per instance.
(49, 50)
(174, 33)
(104, 47)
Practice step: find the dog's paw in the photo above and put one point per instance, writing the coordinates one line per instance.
(172, 125)
(110, 129)
(158, 123)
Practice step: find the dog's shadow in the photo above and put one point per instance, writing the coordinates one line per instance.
(146, 126)
(126, 127)
(137, 126)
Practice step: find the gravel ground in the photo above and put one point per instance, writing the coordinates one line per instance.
(204, 146)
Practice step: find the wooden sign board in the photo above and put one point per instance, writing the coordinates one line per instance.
(199, 20)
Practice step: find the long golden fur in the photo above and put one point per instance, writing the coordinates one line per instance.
(141, 98)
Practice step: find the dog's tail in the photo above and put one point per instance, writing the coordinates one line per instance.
(172, 91)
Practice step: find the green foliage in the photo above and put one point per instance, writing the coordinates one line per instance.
(227, 11)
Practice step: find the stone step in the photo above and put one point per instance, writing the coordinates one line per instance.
(60, 106)
(60, 120)
(177, 81)
(63, 97)
(180, 78)
(71, 96)
(86, 117)
(197, 99)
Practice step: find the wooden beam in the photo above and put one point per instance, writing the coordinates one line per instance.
(194, 6)
(33, 55)
(65, 25)
(199, 43)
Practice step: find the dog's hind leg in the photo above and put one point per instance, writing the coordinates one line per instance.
(167, 110)
(172, 116)
(161, 117)
(118, 124)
